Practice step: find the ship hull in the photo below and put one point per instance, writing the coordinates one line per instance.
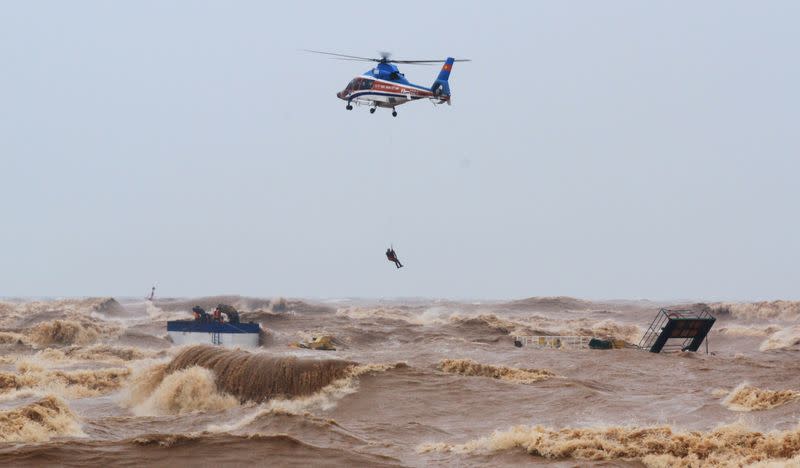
(241, 335)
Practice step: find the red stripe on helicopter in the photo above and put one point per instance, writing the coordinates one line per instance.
(390, 88)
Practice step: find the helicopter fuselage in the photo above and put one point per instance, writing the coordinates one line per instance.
(385, 86)
(382, 93)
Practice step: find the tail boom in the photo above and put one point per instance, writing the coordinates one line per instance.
(441, 87)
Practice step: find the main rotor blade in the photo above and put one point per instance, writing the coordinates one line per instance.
(355, 59)
(379, 61)
(341, 55)
(412, 62)
(420, 64)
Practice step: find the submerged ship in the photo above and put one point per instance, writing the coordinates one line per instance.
(214, 329)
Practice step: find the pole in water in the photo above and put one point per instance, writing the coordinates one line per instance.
(152, 293)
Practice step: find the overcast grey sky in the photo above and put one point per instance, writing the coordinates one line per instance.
(619, 149)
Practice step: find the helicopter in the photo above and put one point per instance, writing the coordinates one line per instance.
(384, 85)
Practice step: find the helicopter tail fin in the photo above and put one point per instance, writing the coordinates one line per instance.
(441, 86)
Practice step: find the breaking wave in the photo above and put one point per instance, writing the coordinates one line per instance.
(404, 314)
(26, 314)
(782, 339)
(260, 377)
(491, 327)
(204, 378)
(74, 383)
(780, 310)
(100, 352)
(327, 396)
(143, 382)
(66, 332)
(731, 445)
(542, 326)
(749, 331)
(511, 374)
(749, 398)
(491, 324)
(12, 338)
(39, 421)
(325, 399)
(183, 391)
(610, 330)
(155, 313)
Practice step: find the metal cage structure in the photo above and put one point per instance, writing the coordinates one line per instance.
(677, 330)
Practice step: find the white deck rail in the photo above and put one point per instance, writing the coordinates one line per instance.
(554, 342)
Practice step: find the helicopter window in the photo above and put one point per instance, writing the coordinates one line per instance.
(366, 84)
(353, 84)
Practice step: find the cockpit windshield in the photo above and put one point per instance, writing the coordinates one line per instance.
(358, 84)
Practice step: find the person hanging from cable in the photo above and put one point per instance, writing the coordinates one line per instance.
(392, 256)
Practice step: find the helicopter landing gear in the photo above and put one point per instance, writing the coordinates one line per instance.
(349, 107)
(394, 112)
(372, 110)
